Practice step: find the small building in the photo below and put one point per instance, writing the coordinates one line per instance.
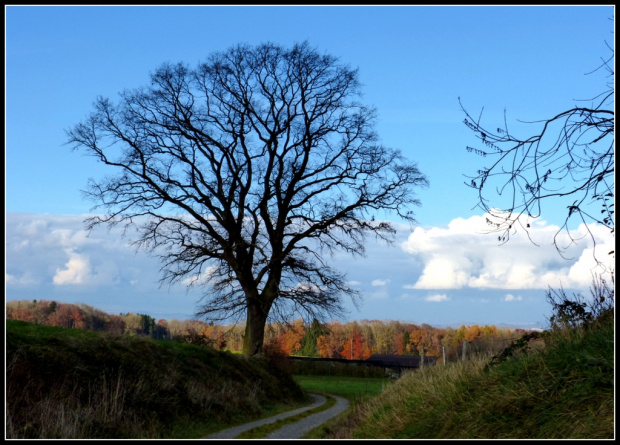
(394, 365)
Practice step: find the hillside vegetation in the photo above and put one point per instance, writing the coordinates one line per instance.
(73, 383)
(559, 384)
(355, 340)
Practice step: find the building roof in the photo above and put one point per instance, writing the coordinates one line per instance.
(403, 361)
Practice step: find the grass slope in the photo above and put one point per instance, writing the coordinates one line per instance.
(564, 390)
(70, 383)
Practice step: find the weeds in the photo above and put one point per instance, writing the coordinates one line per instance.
(561, 387)
(64, 383)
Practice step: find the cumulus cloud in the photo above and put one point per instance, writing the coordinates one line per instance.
(56, 250)
(25, 279)
(306, 287)
(200, 279)
(437, 298)
(52, 256)
(510, 297)
(462, 256)
(77, 270)
(379, 289)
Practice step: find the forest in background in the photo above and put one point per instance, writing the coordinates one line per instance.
(356, 340)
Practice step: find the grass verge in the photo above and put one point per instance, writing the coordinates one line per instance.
(71, 383)
(564, 390)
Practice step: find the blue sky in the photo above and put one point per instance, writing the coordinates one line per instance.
(414, 62)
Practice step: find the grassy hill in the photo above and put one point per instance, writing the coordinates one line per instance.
(71, 383)
(560, 385)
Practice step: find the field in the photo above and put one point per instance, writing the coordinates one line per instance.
(352, 388)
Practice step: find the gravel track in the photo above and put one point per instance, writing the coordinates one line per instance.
(298, 429)
(293, 430)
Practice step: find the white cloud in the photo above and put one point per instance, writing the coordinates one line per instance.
(200, 279)
(437, 298)
(25, 279)
(304, 286)
(462, 256)
(77, 270)
(510, 297)
(56, 250)
(33, 227)
(380, 289)
(52, 255)
(480, 300)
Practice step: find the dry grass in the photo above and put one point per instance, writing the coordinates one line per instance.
(564, 390)
(72, 384)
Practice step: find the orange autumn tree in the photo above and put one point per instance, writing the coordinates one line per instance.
(66, 315)
(214, 335)
(290, 338)
(329, 345)
(400, 343)
(473, 332)
(356, 348)
(425, 338)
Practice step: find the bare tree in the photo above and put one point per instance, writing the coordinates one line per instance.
(568, 159)
(244, 174)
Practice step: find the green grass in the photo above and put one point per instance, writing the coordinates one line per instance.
(353, 388)
(562, 391)
(70, 383)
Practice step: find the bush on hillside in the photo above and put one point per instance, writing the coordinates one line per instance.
(67, 383)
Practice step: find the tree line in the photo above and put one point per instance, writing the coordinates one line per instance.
(356, 340)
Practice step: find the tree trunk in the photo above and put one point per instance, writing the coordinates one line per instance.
(255, 328)
(258, 307)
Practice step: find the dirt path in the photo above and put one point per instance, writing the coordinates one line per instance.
(291, 431)
(298, 429)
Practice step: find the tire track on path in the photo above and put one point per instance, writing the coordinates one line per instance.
(233, 432)
(299, 429)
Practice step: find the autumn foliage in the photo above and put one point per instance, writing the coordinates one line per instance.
(355, 347)
(355, 340)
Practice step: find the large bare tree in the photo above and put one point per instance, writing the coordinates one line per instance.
(244, 174)
(568, 158)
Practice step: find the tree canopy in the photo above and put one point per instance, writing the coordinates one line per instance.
(244, 173)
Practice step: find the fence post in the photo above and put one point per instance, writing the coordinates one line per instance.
(422, 357)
